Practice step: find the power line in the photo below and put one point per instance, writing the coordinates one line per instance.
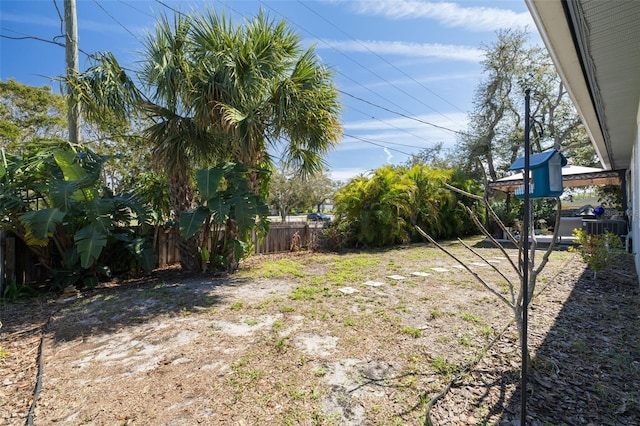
(328, 45)
(388, 63)
(394, 126)
(30, 37)
(367, 88)
(116, 21)
(377, 144)
(395, 143)
(353, 96)
(171, 8)
(138, 9)
(349, 58)
(55, 3)
(405, 116)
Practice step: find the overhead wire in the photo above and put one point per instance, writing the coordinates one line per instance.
(406, 116)
(136, 8)
(55, 3)
(340, 91)
(385, 60)
(32, 37)
(369, 141)
(116, 21)
(407, 113)
(353, 96)
(366, 88)
(391, 125)
(347, 57)
(171, 8)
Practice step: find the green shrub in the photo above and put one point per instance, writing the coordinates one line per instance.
(597, 250)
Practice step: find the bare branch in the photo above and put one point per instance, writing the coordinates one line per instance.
(493, 240)
(468, 247)
(461, 263)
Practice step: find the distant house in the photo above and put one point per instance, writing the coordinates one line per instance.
(595, 46)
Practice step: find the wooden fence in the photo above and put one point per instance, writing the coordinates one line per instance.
(282, 237)
(18, 264)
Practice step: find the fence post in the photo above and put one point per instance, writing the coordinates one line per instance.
(10, 258)
(2, 251)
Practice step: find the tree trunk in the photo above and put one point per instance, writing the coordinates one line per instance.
(181, 196)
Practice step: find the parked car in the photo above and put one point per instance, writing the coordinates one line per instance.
(318, 217)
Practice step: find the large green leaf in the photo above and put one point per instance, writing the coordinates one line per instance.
(208, 181)
(247, 206)
(73, 172)
(191, 221)
(66, 160)
(219, 208)
(62, 193)
(239, 249)
(144, 253)
(90, 242)
(40, 225)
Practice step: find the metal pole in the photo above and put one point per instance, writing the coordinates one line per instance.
(525, 246)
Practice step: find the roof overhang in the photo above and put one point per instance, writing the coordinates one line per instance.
(572, 176)
(595, 46)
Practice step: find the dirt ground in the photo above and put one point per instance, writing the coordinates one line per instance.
(371, 338)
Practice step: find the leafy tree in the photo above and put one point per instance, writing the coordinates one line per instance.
(319, 189)
(610, 196)
(217, 92)
(286, 191)
(496, 131)
(29, 114)
(436, 156)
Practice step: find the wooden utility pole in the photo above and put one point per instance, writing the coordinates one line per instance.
(71, 47)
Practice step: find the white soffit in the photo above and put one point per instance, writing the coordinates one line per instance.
(601, 68)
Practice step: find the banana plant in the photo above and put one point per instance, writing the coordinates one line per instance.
(63, 205)
(228, 214)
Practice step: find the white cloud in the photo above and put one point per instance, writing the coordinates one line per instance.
(389, 154)
(425, 50)
(449, 14)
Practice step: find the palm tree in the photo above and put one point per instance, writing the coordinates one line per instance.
(218, 92)
(258, 87)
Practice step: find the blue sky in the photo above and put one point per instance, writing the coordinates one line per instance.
(407, 69)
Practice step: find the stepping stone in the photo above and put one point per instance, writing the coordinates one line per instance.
(396, 277)
(421, 274)
(458, 267)
(438, 269)
(373, 283)
(347, 290)
(493, 261)
(479, 264)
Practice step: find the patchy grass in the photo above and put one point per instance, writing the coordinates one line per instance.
(279, 344)
(412, 331)
(277, 269)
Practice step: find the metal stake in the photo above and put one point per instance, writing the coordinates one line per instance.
(525, 246)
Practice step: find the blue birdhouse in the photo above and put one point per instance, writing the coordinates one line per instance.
(545, 174)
